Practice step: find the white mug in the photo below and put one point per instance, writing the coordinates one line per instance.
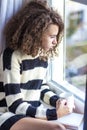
(70, 100)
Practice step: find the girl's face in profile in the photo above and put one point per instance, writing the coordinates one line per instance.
(49, 37)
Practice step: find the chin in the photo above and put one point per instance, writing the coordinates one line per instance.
(46, 50)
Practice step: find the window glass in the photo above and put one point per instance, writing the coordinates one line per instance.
(69, 70)
(76, 43)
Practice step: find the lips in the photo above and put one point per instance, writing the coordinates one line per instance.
(51, 49)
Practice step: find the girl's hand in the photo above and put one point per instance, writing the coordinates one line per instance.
(62, 108)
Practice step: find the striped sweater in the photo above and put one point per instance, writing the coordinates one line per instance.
(22, 85)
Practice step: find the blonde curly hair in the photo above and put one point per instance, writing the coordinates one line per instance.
(25, 29)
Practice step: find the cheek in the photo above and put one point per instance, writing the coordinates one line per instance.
(45, 46)
(46, 43)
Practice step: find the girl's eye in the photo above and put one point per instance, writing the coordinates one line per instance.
(53, 36)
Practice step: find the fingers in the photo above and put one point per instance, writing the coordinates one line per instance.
(66, 104)
(62, 102)
(68, 109)
(62, 108)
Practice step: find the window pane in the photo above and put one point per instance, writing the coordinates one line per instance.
(76, 44)
(57, 63)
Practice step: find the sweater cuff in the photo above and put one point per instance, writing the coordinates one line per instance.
(51, 114)
(31, 111)
(53, 100)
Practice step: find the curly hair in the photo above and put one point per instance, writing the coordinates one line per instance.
(25, 29)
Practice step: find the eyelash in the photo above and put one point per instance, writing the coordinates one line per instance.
(53, 36)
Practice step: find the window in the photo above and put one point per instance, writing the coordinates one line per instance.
(68, 71)
(76, 44)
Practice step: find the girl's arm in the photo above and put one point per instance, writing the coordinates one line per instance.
(13, 94)
(48, 96)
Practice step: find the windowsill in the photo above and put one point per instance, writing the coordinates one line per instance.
(61, 87)
(71, 122)
(66, 87)
(81, 127)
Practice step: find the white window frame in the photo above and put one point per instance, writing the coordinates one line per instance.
(62, 85)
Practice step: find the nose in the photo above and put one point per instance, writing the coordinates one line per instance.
(55, 41)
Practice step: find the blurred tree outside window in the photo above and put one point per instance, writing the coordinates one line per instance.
(76, 44)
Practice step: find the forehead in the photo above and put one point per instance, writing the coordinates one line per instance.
(52, 28)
